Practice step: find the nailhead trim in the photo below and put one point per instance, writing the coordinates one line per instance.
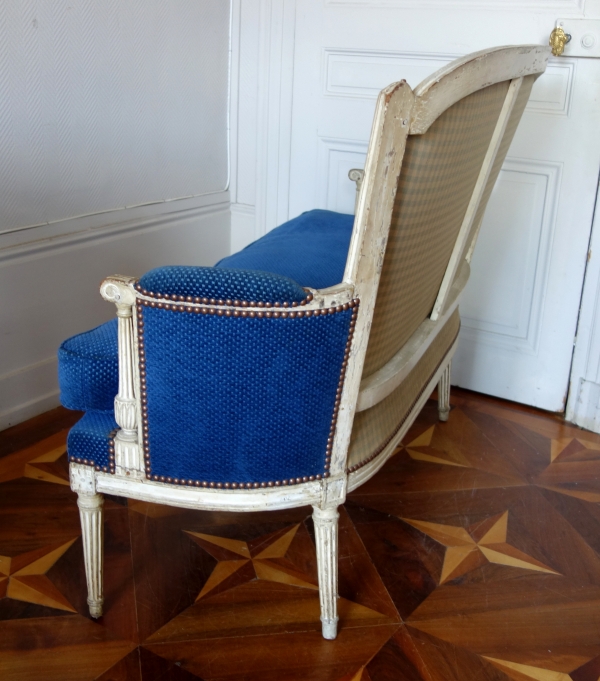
(215, 301)
(140, 303)
(381, 447)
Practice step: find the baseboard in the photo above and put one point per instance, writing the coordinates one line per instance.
(28, 392)
(584, 410)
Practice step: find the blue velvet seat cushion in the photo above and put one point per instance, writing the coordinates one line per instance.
(89, 438)
(310, 249)
(88, 369)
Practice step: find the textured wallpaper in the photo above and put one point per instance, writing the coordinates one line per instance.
(110, 103)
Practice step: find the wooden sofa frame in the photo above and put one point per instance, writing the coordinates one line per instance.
(399, 112)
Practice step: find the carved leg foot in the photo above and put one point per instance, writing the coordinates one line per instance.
(444, 394)
(90, 513)
(326, 535)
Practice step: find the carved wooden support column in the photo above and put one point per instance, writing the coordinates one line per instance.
(83, 482)
(444, 394)
(128, 459)
(90, 513)
(326, 537)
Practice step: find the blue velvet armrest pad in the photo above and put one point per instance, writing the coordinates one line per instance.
(88, 440)
(221, 284)
(88, 369)
(311, 249)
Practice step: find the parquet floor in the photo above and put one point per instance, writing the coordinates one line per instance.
(473, 555)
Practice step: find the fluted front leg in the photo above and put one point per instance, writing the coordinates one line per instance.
(92, 528)
(326, 536)
(444, 394)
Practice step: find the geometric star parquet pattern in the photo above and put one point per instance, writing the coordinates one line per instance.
(473, 554)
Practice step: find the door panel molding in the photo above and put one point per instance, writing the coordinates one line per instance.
(336, 158)
(508, 311)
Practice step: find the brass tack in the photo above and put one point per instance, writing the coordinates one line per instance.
(205, 301)
(189, 299)
(219, 485)
(219, 313)
(212, 301)
(197, 483)
(228, 302)
(277, 483)
(204, 483)
(237, 303)
(263, 484)
(212, 484)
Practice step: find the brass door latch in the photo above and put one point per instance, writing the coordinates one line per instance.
(558, 40)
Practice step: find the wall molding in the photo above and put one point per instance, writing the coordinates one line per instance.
(523, 332)
(566, 6)
(53, 291)
(276, 69)
(339, 65)
(29, 391)
(549, 95)
(335, 158)
(88, 232)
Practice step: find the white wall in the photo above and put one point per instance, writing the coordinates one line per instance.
(113, 158)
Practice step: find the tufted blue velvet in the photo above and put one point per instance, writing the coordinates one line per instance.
(89, 437)
(311, 249)
(240, 399)
(222, 283)
(88, 369)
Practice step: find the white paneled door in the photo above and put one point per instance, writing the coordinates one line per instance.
(521, 307)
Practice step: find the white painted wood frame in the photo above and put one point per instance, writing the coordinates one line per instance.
(398, 111)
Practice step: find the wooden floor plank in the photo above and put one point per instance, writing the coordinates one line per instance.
(473, 554)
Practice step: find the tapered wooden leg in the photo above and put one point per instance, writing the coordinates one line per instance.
(444, 394)
(326, 536)
(90, 513)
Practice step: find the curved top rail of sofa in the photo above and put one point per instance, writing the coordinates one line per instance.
(468, 74)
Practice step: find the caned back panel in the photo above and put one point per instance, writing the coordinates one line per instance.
(509, 133)
(439, 172)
